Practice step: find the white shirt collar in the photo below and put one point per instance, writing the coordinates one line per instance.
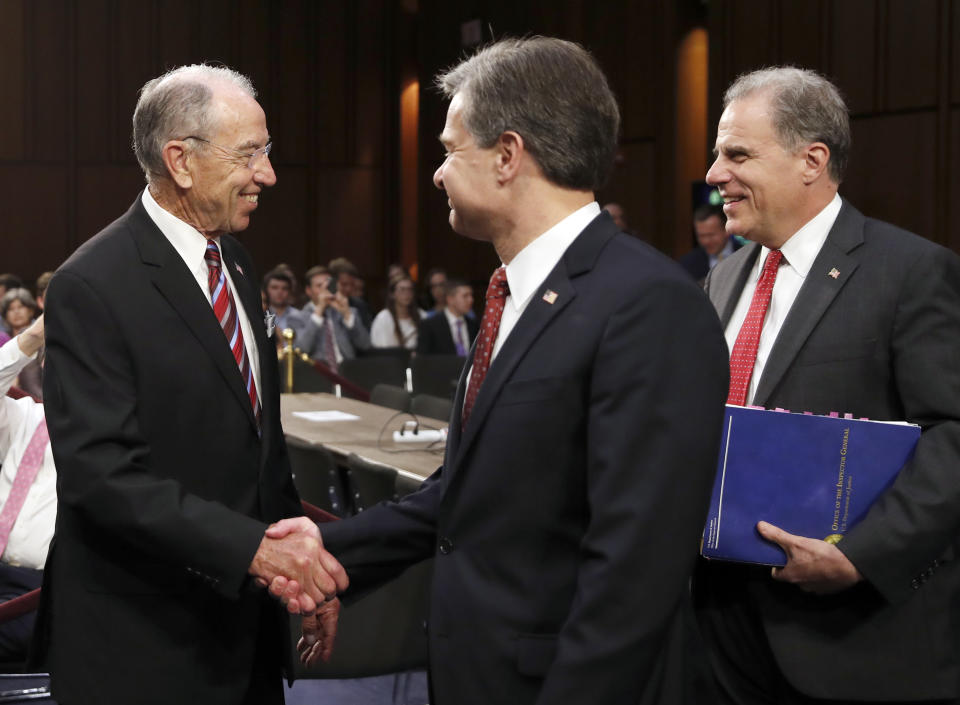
(452, 318)
(189, 242)
(803, 247)
(534, 262)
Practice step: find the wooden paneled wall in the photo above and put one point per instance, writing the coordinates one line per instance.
(69, 75)
(634, 42)
(329, 74)
(898, 64)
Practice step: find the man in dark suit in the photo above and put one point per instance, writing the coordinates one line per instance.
(713, 242)
(163, 410)
(860, 317)
(566, 517)
(450, 332)
(334, 332)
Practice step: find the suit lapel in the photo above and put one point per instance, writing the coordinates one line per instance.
(579, 258)
(725, 292)
(830, 271)
(177, 285)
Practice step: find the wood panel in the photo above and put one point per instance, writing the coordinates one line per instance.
(801, 41)
(633, 184)
(912, 43)
(891, 173)
(96, 120)
(280, 226)
(50, 116)
(753, 22)
(33, 236)
(952, 232)
(853, 52)
(955, 52)
(12, 80)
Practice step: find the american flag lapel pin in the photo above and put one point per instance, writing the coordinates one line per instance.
(834, 273)
(238, 268)
(550, 296)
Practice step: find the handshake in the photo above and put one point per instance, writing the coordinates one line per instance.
(293, 564)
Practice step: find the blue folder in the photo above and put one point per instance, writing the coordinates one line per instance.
(813, 476)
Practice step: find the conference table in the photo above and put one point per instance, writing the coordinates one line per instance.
(368, 435)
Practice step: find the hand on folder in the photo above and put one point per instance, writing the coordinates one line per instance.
(812, 565)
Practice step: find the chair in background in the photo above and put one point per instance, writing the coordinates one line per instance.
(369, 483)
(316, 476)
(368, 372)
(432, 407)
(391, 397)
(402, 354)
(436, 374)
(306, 378)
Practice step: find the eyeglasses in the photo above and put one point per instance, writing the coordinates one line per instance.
(251, 157)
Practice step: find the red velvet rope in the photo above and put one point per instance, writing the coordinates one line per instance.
(356, 390)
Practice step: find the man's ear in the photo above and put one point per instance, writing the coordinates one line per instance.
(816, 156)
(176, 157)
(510, 151)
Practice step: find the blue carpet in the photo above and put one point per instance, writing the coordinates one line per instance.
(401, 689)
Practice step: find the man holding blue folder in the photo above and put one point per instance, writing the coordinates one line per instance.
(828, 310)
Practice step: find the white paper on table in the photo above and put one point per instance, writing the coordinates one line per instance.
(332, 415)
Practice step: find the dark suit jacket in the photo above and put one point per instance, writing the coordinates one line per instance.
(697, 261)
(566, 517)
(164, 486)
(435, 338)
(880, 341)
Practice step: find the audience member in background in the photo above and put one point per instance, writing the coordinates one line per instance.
(43, 281)
(334, 331)
(8, 282)
(619, 215)
(27, 465)
(396, 325)
(396, 270)
(433, 297)
(452, 332)
(18, 308)
(278, 283)
(714, 244)
(347, 277)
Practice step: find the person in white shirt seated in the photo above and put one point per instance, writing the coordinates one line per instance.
(397, 324)
(452, 331)
(334, 331)
(28, 490)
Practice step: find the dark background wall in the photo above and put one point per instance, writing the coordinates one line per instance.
(330, 75)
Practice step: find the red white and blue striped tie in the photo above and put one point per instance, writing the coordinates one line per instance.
(226, 311)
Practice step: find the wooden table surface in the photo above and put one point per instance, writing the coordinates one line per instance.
(370, 436)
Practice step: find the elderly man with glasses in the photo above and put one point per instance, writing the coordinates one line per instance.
(163, 412)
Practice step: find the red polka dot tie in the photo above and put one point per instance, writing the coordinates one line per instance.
(744, 355)
(27, 471)
(497, 293)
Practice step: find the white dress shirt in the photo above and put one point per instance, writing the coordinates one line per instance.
(191, 245)
(799, 252)
(19, 418)
(528, 270)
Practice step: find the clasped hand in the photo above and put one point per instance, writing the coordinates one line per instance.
(812, 565)
(292, 561)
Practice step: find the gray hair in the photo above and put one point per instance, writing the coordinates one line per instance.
(20, 294)
(553, 94)
(177, 105)
(806, 108)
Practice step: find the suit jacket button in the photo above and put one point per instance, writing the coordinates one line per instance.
(915, 584)
(425, 630)
(446, 545)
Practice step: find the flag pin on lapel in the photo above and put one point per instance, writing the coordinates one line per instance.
(238, 268)
(834, 273)
(550, 296)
